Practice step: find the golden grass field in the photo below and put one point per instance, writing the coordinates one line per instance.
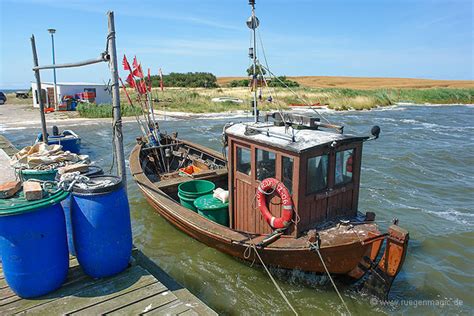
(367, 83)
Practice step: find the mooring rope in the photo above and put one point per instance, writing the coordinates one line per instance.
(315, 246)
(252, 246)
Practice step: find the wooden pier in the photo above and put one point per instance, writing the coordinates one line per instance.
(141, 289)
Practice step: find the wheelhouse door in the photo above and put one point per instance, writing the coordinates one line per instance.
(252, 165)
(243, 188)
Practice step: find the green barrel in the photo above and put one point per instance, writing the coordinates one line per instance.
(43, 175)
(189, 191)
(187, 202)
(213, 209)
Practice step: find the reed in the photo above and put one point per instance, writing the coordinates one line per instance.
(89, 110)
(198, 100)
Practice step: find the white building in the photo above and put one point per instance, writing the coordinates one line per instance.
(70, 88)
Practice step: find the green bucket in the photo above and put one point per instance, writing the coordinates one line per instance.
(195, 188)
(187, 202)
(43, 175)
(213, 209)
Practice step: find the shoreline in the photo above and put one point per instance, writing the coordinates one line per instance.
(31, 119)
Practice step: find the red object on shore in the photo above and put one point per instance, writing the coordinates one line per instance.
(48, 110)
(161, 80)
(88, 95)
(302, 104)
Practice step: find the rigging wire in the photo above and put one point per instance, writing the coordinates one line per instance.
(315, 246)
(267, 68)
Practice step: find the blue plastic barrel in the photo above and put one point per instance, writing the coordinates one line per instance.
(33, 245)
(100, 217)
(66, 204)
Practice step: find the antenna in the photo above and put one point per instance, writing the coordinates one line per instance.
(253, 23)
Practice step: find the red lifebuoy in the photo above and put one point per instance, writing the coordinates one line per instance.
(269, 185)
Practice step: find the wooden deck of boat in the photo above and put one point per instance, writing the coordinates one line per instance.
(141, 289)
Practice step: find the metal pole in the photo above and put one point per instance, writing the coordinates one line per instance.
(52, 31)
(38, 90)
(254, 78)
(117, 116)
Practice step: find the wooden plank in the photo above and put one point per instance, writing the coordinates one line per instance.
(3, 284)
(172, 308)
(6, 293)
(191, 301)
(132, 279)
(147, 304)
(189, 312)
(123, 300)
(73, 284)
(8, 296)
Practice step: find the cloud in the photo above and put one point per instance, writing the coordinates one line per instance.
(131, 9)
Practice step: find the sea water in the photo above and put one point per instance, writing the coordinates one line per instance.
(420, 170)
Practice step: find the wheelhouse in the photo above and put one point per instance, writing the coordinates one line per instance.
(320, 168)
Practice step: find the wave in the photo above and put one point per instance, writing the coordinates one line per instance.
(452, 215)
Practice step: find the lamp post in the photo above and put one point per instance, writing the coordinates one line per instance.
(52, 31)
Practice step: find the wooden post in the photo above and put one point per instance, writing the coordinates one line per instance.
(38, 91)
(117, 115)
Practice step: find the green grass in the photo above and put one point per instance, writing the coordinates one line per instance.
(190, 100)
(89, 110)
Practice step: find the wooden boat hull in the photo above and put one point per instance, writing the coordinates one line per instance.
(341, 257)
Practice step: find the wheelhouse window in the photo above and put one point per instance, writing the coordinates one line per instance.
(343, 171)
(266, 163)
(243, 160)
(287, 174)
(317, 173)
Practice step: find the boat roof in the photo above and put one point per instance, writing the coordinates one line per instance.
(282, 137)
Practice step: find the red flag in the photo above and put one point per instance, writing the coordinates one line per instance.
(161, 79)
(137, 71)
(135, 63)
(141, 87)
(131, 81)
(149, 80)
(126, 65)
(126, 93)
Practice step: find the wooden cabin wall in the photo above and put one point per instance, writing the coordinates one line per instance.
(332, 202)
(243, 211)
(310, 209)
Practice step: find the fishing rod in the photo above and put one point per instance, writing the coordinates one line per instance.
(139, 122)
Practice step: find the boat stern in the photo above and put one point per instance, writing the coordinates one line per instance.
(380, 276)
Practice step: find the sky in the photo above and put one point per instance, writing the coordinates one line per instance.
(365, 38)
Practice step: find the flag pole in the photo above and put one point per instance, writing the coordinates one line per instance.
(117, 115)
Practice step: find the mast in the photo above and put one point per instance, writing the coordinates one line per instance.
(253, 23)
(38, 91)
(117, 115)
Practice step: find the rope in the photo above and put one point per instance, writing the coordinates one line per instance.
(68, 180)
(315, 246)
(252, 246)
(273, 75)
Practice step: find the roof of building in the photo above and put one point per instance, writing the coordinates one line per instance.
(73, 83)
(281, 137)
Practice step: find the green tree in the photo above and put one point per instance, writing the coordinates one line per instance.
(260, 70)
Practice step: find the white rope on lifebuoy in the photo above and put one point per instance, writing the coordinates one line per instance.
(287, 209)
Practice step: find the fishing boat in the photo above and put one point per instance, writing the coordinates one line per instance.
(68, 139)
(293, 180)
